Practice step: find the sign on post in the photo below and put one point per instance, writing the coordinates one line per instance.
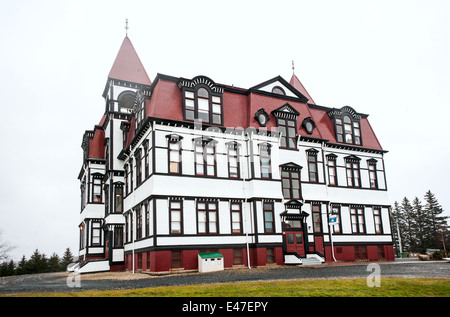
(332, 219)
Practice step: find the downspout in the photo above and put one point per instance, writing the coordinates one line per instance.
(245, 198)
(330, 209)
(132, 236)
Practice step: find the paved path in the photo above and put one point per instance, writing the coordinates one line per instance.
(59, 282)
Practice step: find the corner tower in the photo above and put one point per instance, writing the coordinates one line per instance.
(102, 175)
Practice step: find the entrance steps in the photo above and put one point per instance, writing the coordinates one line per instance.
(311, 259)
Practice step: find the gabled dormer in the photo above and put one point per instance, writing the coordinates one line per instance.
(278, 87)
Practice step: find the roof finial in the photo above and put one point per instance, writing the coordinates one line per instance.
(293, 73)
(126, 27)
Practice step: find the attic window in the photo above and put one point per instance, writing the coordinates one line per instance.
(347, 125)
(278, 90)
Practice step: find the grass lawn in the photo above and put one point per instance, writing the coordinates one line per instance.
(390, 287)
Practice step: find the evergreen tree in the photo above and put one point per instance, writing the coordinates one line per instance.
(38, 263)
(22, 267)
(437, 222)
(410, 243)
(396, 228)
(420, 224)
(54, 264)
(67, 259)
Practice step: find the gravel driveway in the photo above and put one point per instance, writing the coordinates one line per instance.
(60, 282)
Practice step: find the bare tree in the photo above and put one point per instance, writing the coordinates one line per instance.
(5, 248)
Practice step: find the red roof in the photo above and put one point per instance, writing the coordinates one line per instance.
(295, 82)
(240, 106)
(127, 65)
(97, 144)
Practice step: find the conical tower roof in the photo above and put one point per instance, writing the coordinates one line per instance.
(127, 65)
(295, 82)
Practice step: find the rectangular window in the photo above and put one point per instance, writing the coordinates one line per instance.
(377, 220)
(312, 167)
(264, 157)
(107, 211)
(138, 167)
(127, 175)
(146, 162)
(97, 190)
(205, 160)
(352, 169)
(336, 211)
(176, 259)
(373, 176)
(175, 217)
(287, 129)
(269, 225)
(233, 162)
(236, 218)
(270, 255)
(332, 175)
(360, 253)
(290, 182)
(381, 254)
(189, 105)
(138, 224)
(339, 130)
(317, 218)
(95, 233)
(147, 219)
(207, 218)
(118, 199)
(131, 176)
(174, 157)
(216, 110)
(237, 257)
(357, 219)
(357, 132)
(118, 237)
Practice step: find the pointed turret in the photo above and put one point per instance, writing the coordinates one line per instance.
(295, 82)
(127, 65)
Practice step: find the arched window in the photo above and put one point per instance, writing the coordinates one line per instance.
(203, 105)
(348, 130)
(126, 101)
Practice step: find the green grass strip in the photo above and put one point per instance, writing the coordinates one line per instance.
(390, 287)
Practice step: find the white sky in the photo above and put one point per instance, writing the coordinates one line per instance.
(389, 59)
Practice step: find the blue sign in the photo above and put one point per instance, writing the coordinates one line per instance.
(333, 219)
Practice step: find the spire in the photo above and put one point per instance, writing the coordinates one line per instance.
(295, 82)
(127, 65)
(126, 27)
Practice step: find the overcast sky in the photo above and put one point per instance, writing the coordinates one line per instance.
(389, 59)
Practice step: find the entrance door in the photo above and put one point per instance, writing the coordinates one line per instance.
(294, 242)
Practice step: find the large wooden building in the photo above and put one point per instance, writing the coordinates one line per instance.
(181, 166)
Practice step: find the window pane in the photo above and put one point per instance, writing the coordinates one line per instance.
(217, 119)
(189, 104)
(189, 94)
(216, 99)
(189, 115)
(202, 92)
(290, 238)
(216, 108)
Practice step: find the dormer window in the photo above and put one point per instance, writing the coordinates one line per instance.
(286, 117)
(347, 125)
(202, 100)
